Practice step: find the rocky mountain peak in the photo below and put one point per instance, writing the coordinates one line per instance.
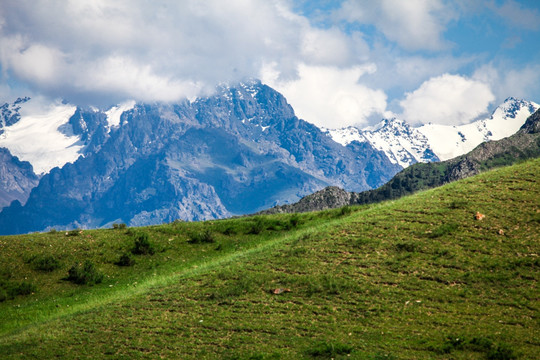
(511, 107)
(9, 113)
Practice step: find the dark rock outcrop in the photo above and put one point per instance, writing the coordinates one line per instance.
(330, 197)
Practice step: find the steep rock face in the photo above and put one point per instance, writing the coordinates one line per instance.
(17, 179)
(237, 152)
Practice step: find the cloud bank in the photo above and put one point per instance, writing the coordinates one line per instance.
(348, 64)
(147, 51)
(447, 99)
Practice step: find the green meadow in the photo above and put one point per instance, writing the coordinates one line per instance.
(415, 278)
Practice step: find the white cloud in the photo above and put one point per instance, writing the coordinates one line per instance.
(413, 24)
(507, 82)
(119, 49)
(107, 51)
(331, 47)
(37, 63)
(328, 96)
(447, 99)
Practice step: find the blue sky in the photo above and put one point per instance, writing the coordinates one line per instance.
(339, 63)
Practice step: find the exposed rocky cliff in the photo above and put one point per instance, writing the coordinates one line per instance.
(17, 179)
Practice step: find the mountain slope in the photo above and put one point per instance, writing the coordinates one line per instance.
(238, 151)
(524, 144)
(418, 278)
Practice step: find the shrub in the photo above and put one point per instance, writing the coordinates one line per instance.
(257, 227)
(329, 349)
(480, 344)
(501, 352)
(345, 210)
(11, 290)
(229, 230)
(143, 246)
(23, 288)
(294, 220)
(458, 204)
(205, 236)
(405, 247)
(85, 274)
(46, 263)
(120, 226)
(125, 260)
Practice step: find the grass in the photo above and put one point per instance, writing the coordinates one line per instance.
(417, 278)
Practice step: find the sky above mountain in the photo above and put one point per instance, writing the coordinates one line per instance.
(339, 63)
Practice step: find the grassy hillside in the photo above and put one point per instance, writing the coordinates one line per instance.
(418, 278)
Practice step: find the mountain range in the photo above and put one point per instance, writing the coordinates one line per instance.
(406, 145)
(238, 151)
(523, 145)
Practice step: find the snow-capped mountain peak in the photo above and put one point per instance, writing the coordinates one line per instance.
(512, 108)
(451, 141)
(406, 145)
(402, 144)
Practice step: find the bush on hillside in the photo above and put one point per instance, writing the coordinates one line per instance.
(143, 246)
(257, 227)
(45, 263)
(329, 349)
(85, 274)
(125, 260)
(205, 236)
(9, 290)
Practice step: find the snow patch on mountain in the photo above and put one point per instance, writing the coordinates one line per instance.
(114, 113)
(42, 138)
(451, 141)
